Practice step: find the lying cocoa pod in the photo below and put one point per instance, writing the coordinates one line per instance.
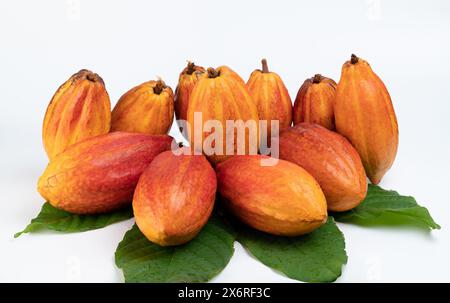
(315, 101)
(282, 199)
(186, 82)
(99, 174)
(79, 109)
(146, 108)
(174, 197)
(271, 97)
(330, 159)
(219, 98)
(365, 115)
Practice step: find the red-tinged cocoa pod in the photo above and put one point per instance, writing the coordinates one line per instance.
(146, 108)
(271, 97)
(364, 114)
(330, 159)
(186, 82)
(174, 197)
(79, 109)
(315, 102)
(280, 199)
(99, 174)
(220, 97)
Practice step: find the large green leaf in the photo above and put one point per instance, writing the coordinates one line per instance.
(59, 220)
(315, 257)
(387, 207)
(196, 261)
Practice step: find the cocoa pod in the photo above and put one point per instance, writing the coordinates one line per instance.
(174, 197)
(221, 97)
(99, 174)
(282, 199)
(186, 82)
(146, 108)
(315, 102)
(365, 115)
(79, 109)
(330, 159)
(271, 97)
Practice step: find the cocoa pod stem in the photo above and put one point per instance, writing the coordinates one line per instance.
(265, 67)
(190, 68)
(354, 59)
(317, 78)
(159, 87)
(213, 73)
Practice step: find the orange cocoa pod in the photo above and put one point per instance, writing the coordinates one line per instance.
(271, 97)
(315, 101)
(280, 199)
(220, 98)
(330, 159)
(365, 115)
(79, 109)
(174, 197)
(186, 82)
(99, 174)
(146, 108)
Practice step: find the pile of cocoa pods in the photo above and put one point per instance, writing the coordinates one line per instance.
(102, 160)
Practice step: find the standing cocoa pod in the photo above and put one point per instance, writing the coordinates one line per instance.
(218, 98)
(99, 174)
(174, 197)
(79, 109)
(146, 108)
(282, 199)
(315, 101)
(186, 82)
(330, 159)
(365, 115)
(271, 97)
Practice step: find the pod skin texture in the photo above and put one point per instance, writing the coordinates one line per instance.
(79, 109)
(283, 199)
(146, 108)
(174, 198)
(315, 102)
(99, 174)
(186, 82)
(271, 97)
(330, 159)
(365, 115)
(222, 97)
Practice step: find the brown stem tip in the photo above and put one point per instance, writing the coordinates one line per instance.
(317, 78)
(92, 76)
(265, 67)
(159, 87)
(190, 68)
(354, 59)
(212, 73)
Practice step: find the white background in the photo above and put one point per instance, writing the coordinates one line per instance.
(43, 42)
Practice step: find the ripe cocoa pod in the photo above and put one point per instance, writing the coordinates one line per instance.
(271, 97)
(79, 109)
(146, 108)
(174, 197)
(315, 102)
(365, 115)
(330, 159)
(282, 199)
(186, 82)
(99, 174)
(222, 97)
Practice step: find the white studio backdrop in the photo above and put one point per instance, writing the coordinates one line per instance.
(407, 43)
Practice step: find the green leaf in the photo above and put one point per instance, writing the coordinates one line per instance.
(387, 207)
(62, 221)
(315, 257)
(196, 261)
